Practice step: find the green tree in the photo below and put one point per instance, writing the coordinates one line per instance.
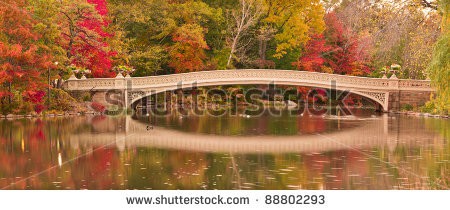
(46, 12)
(146, 29)
(142, 28)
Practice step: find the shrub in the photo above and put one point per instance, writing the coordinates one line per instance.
(61, 101)
(429, 107)
(25, 108)
(81, 96)
(98, 107)
(407, 107)
(22, 102)
(434, 106)
(38, 108)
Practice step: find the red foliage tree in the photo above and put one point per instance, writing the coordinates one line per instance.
(312, 59)
(97, 56)
(84, 30)
(22, 59)
(335, 51)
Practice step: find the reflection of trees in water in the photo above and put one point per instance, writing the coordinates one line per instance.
(32, 146)
(96, 170)
(160, 169)
(439, 169)
(187, 169)
(236, 172)
(331, 170)
(284, 124)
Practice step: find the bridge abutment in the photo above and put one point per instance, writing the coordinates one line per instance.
(399, 99)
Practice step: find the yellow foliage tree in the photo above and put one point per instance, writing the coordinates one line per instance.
(294, 22)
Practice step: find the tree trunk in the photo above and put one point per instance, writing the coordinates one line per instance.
(233, 49)
(10, 93)
(59, 83)
(262, 49)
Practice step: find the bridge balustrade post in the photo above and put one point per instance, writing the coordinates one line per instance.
(71, 83)
(72, 77)
(393, 83)
(128, 87)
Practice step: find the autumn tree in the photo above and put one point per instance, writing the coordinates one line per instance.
(439, 68)
(142, 28)
(155, 32)
(293, 22)
(45, 13)
(313, 58)
(187, 54)
(344, 56)
(244, 17)
(282, 28)
(418, 44)
(192, 20)
(401, 32)
(334, 51)
(82, 27)
(97, 54)
(22, 58)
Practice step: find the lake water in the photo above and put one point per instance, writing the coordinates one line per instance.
(364, 151)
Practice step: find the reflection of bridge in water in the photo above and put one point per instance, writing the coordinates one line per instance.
(373, 132)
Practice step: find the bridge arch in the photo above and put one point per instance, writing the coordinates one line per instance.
(137, 96)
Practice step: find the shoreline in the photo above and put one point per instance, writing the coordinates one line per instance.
(30, 116)
(93, 113)
(419, 114)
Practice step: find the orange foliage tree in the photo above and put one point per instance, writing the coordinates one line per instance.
(22, 59)
(188, 52)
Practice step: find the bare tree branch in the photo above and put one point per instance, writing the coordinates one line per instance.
(429, 4)
(245, 17)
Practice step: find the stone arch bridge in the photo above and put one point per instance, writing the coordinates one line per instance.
(389, 94)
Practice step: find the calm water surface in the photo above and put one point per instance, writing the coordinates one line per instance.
(365, 151)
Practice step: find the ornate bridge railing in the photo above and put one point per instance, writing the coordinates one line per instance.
(257, 75)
